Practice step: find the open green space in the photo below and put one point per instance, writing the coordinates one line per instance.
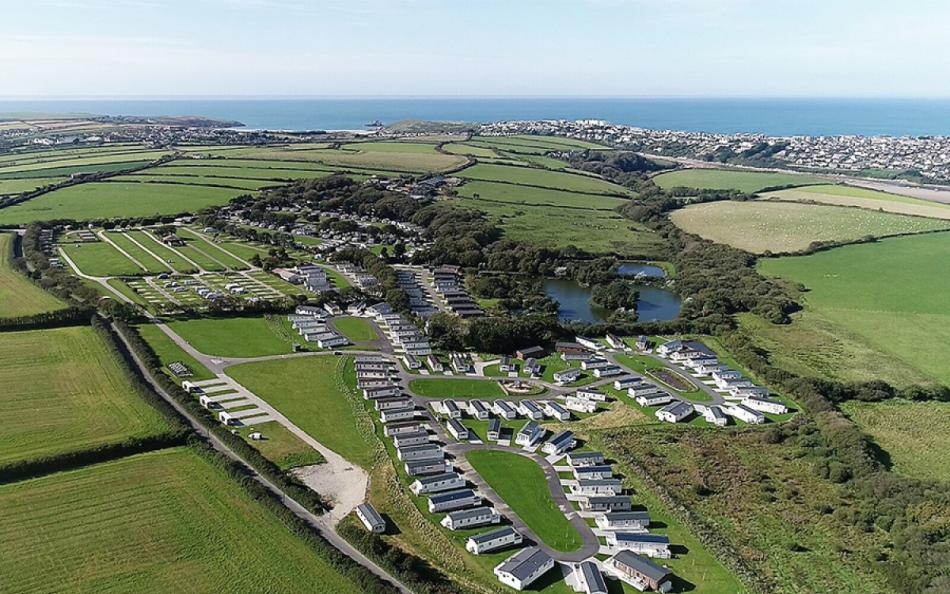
(212, 250)
(458, 148)
(169, 352)
(19, 296)
(759, 227)
(453, 387)
(655, 371)
(151, 263)
(528, 496)
(99, 200)
(188, 180)
(168, 256)
(731, 179)
(402, 157)
(164, 521)
(514, 194)
(100, 259)
(532, 176)
(64, 390)
(356, 329)
(890, 295)
(233, 337)
(280, 446)
(915, 435)
(315, 394)
(16, 186)
(863, 198)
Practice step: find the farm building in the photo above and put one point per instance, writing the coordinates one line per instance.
(437, 483)
(530, 434)
(632, 520)
(588, 576)
(560, 443)
(471, 518)
(524, 567)
(453, 500)
(370, 518)
(579, 459)
(640, 572)
(651, 545)
(675, 412)
(493, 540)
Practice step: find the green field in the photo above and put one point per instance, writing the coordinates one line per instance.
(312, 393)
(863, 198)
(451, 387)
(777, 227)
(514, 194)
(172, 259)
(728, 179)
(189, 180)
(165, 521)
(16, 186)
(402, 157)
(227, 171)
(356, 329)
(219, 252)
(889, 295)
(915, 435)
(63, 390)
(19, 296)
(100, 259)
(531, 176)
(233, 337)
(168, 352)
(144, 258)
(98, 200)
(528, 496)
(282, 447)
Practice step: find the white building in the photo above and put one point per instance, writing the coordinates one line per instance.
(524, 567)
(675, 412)
(370, 518)
(437, 483)
(765, 405)
(471, 518)
(493, 540)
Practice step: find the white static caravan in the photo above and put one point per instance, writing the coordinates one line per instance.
(370, 518)
(493, 540)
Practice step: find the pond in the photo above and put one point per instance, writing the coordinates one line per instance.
(655, 304)
(640, 269)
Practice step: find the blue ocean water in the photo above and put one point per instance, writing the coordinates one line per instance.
(769, 116)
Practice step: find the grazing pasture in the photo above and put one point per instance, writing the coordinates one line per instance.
(760, 227)
(514, 194)
(915, 435)
(64, 390)
(532, 176)
(70, 170)
(99, 200)
(528, 496)
(730, 179)
(863, 198)
(18, 186)
(316, 394)
(19, 296)
(100, 259)
(164, 521)
(889, 295)
(233, 337)
(402, 157)
(281, 447)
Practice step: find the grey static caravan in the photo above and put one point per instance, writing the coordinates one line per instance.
(598, 487)
(470, 518)
(556, 411)
(494, 429)
(581, 405)
(392, 402)
(607, 503)
(524, 567)
(453, 500)
(457, 429)
(580, 459)
(651, 545)
(589, 578)
(397, 414)
(530, 434)
(478, 410)
(531, 410)
(560, 443)
(374, 393)
(402, 428)
(493, 540)
(504, 409)
(632, 521)
(405, 440)
(591, 394)
(427, 467)
(599, 471)
(370, 518)
(429, 451)
(437, 483)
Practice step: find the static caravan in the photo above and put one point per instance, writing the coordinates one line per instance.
(471, 518)
(493, 540)
(453, 500)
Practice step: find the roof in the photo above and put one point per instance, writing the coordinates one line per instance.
(642, 565)
(494, 424)
(562, 437)
(586, 455)
(371, 515)
(530, 350)
(678, 408)
(593, 577)
(457, 427)
(524, 563)
(435, 478)
(493, 534)
(598, 468)
(452, 495)
(621, 516)
(530, 427)
(642, 537)
(473, 512)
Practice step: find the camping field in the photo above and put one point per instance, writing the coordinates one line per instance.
(450, 387)
(100, 259)
(233, 337)
(19, 296)
(63, 390)
(168, 352)
(889, 295)
(779, 227)
(729, 179)
(863, 198)
(528, 496)
(164, 521)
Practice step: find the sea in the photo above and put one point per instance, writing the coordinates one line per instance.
(778, 117)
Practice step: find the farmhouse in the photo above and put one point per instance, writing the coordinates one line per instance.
(556, 411)
(370, 518)
(589, 578)
(567, 376)
(470, 518)
(580, 404)
(531, 410)
(494, 429)
(524, 567)
(609, 371)
(421, 452)
(581, 459)
(598, 487)
(744, 413)
(504, 409)
(632, 520)
(528, 352)
(437, 483)
(765, 405)
(651, 545)
(404, 440)
(593, 471)
(606, 503)
(397, 414)
(436, 465)
(640, 572)
(654, 399)
(675, 412)
(453, 500)
(457, 429)
(530, 434)
(493, 540)
(591, 394)
(560, 443)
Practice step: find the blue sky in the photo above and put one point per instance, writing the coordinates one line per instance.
(475, 48)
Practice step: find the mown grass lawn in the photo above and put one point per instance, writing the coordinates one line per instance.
(356, 329)
(168, 352)
(164, 521)
(522, 484)
(233, 337)
(450, 387)
(19, 296)
(280, 446)
(100, 259)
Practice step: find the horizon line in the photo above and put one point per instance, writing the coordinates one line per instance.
(374, 97)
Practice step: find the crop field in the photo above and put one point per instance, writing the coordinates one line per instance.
(83, 163)
(312, 393)
(168, 352)
(469, 149)
(100, 259)
(777, 227)
(64, 390)
(889, 295)
(233, 337)
(532, 176)
(97, 200)
(164, 521)
(451, 387)
(863, 198)
(19, 296)
(529, 496)
(727, 179)
(915, 435)
(515, 194)
(356, 329)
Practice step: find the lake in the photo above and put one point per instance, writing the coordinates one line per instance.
(655, 304)
(641, 269)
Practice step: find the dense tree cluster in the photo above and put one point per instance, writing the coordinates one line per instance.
(617, 294)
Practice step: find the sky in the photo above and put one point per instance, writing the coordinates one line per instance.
(382, 48)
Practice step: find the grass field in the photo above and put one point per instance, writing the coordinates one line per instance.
(889, 295)
(452, 387)
(190, 180)
(233, 337)
(725, 179)
(16, 186)
(312, 393)
(151, 263)
(514, 194)
(100, 259)
(777, 227)
(402, 157)
(168, 352)
(169, 257)
(282, 447)
(98, 200)
(356, 329)
(19, 296)
(529, 496)
(916, 435)
(531, 176)
(863, 198)
(165, 521)
(63, 390)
